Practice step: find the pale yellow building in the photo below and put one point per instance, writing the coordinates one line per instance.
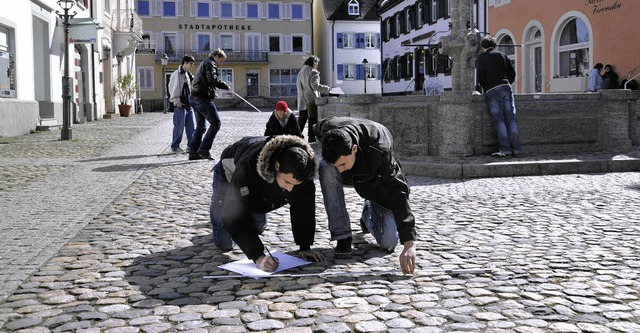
(266, 43)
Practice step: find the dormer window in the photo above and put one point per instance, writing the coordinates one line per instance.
(354, 7)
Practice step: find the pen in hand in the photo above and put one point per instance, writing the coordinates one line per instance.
(271, 255)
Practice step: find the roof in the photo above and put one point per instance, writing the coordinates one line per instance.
(337, 10)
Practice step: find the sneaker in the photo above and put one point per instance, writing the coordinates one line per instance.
(500, 154)
(188, 150)
(193, 157)
(343, 248)
(205, 155)
(177, 150)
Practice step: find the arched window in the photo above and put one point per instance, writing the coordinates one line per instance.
(354, 7)
(573, 49)
(505, 45)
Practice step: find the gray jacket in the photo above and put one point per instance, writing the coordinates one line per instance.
(176, 82)
(309, 86)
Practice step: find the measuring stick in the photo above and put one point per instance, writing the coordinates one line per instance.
(244, 100)
(373, 273)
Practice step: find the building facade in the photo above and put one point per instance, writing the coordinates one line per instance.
(33, 58)
(559, 42)
(266, 43)
(347, 41)
(412, 62)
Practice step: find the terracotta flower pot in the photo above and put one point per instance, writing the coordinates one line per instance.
(125, 110)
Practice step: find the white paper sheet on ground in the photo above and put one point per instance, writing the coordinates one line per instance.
(248, 268)
(336, 91)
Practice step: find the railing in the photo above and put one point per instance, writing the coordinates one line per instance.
(260, 91)
(232, 56)
(126, 20)
(629, 73)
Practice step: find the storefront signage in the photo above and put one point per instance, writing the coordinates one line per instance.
(230, 27)
(603, 6)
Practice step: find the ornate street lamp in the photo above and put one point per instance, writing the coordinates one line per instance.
(164, 61)
(66, 133)
(364, 67)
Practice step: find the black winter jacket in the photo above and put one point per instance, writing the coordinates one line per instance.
(494, 69)
(274, 127)
(207, 79)
(376, 174)
(249, 170)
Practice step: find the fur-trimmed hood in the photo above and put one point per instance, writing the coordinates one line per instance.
(265, 167)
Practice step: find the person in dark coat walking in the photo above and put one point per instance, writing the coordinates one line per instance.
(282, 121)
(495, 75)
(359, 152)
(205, 83)
(257, 175)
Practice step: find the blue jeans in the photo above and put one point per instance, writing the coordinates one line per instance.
(221, 237)
(182, 121)
(379, 220)
(503, 111)
(204, 110)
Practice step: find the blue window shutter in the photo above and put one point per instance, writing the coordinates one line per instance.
(340, 72)
(339, 40)
(379, 72)
(359, 72)
(378, 42)
(360, 40)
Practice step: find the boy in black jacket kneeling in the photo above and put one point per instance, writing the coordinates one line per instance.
(256, 175)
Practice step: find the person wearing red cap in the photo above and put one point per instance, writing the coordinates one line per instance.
(282, 121)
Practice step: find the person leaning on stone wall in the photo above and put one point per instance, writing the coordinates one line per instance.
(495, 75)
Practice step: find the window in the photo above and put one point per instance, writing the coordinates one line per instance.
(226, 43)
(296, 43)
(143, 7)
(283, 82)
(274, 43)
(296, 11)
(434, 10)
(349, 71)
(252, 10)
(107, 6)
(508, 49)
(226, 10)
(420, 14)
(574, 49)
(226, 75)
(370, 40)
(274, 11)
(354, 7)
(7, 63)
(388, 30)
(170, 44)
(348, 40)
(398, 25)
(169, 8)
(145, 78)
(448, 8)
(204, 42)
(370, 71)
(203, 9)
(410, 18)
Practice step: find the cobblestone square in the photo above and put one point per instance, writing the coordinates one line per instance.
(110, 232)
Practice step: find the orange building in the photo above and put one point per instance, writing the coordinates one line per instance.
(554, 44)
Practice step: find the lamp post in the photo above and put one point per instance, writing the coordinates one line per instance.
(364, 67)
(164, 61)
(66, 133)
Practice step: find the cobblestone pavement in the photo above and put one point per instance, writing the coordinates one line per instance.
(121, 239)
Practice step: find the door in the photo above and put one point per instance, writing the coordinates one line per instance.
(253, 89)
(537, 68)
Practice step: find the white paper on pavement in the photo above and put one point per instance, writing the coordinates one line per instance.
(248, 268)
(336, 91)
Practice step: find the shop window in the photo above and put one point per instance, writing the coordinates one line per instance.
(573, 49)
(283, 82)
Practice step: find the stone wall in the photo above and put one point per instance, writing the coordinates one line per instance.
(17, 117)
(457, 124)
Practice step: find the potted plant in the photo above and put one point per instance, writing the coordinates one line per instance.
(124, 88)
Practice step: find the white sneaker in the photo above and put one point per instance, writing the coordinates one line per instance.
(178, 151)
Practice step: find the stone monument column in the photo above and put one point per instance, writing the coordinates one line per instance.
(455, 115)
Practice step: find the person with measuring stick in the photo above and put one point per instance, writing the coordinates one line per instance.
(257, 175)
